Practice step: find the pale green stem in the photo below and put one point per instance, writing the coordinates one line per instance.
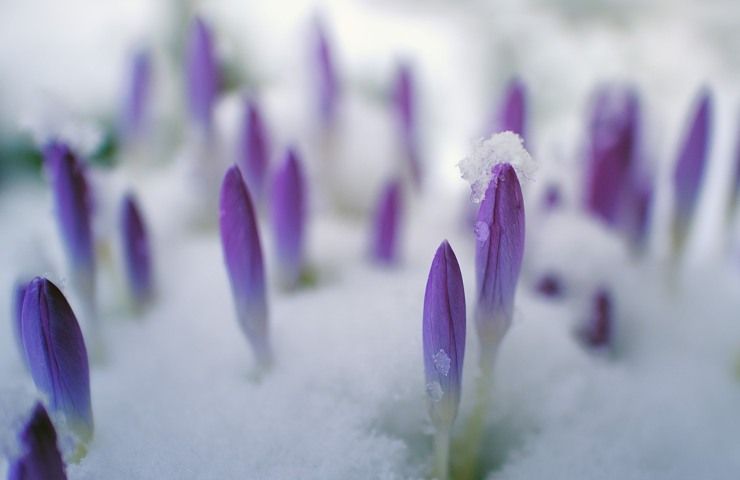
(442, 454)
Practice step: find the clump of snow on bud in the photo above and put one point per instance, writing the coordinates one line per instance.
(504, 147)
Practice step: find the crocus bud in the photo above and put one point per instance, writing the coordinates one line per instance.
(549, 285)
(512, 113)
(19, 293)
(136, 253)
(202, 74)
(72, 206)
(596, 332)
(498, 256)
(404, 100)
(612, 151)
(327, 80)
(134, 115)
(288, 210)
(39, 458)
(384, 247)
(444, 337)
(690, 166)
(243, 257)
(252, 151)
(56, 354)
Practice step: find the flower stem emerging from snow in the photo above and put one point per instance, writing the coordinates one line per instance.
(40, 458)
(243, 257)
(444, 347)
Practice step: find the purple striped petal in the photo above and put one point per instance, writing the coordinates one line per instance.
(326, 76)
(288, 211)
(596, 332)
(385, 233)
(72, 205)
(243, 257)
(404, 100)
(19, 293)
(253, 150)
(512, 113)
(691, 162)
(56, 354)
(498, 255)
(40, 458)
(612, 152)
(444, 336)
(201, 73)
(136, 252)
(137, 96)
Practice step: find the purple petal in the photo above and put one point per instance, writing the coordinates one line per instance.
(19, 294)
(72, 206)
(498, 254)
(202, 73)
(288, 210)
(136, 252)
(512, 114)
(612, 152)
(137, 97)
(444, 336)
(691, 161)
(56, 354)
(326, 75)
(596, 332)
(40, 458)
(386, 224)
(243, 257)
(253, 154)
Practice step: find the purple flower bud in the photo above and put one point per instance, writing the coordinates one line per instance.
(386, 226)
(243, 257)
(612, 152)
(56, 354)
(512, 113)
(288, 210)
(40, 458)
(202, 73)
(552, 198)
(596, 332)
(690, 165)
(405, 106)
(253, 155)
(326, 76)
(72, 205)
(444, 336)
(19, 294)
(136, 252)
(137, 96)
(549, 285)
(498, 255)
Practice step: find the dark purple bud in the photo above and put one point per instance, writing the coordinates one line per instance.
(243, 257)
(137, 95)
(690, 165)
(19, 293)
(71, 199)
(56, 354)
(596, 332)
(384, 248)
(444, 336)
(404, 100)
(512, 113)
(201, 73)
(40, 458)
(288, 210)
(326, 76)
(549, 285)
(253, 150)
(498, 255)
(612, 152)
(136, 252)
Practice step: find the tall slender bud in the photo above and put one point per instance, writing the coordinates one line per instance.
(386, 225)
(253, 150)
(136, 251)
(136, 100)
(512, 113)
(202, 75)
(327, 80)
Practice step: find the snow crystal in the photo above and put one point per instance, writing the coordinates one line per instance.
(442, 362)
(482, 231)
(434, 390)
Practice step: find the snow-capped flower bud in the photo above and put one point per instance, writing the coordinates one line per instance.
(56, 354)
(202, 75)
(690, 166)
(327, 81)
(253, 150)
(498, 256)
(444, 337)
(39, 458)
(386, 225)
(512, 113)
(136, 251)
(288, 209)
(134, 115)
(596, 331)
(243, 258)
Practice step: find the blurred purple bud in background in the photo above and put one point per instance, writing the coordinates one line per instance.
(512, 112)
(136, 251)
(596, 331)
(202, 75)
(404, 102)
(253, 150)
(39, 458)
(327, 80)
(386, 225)
(136, 99)
(550, 285)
